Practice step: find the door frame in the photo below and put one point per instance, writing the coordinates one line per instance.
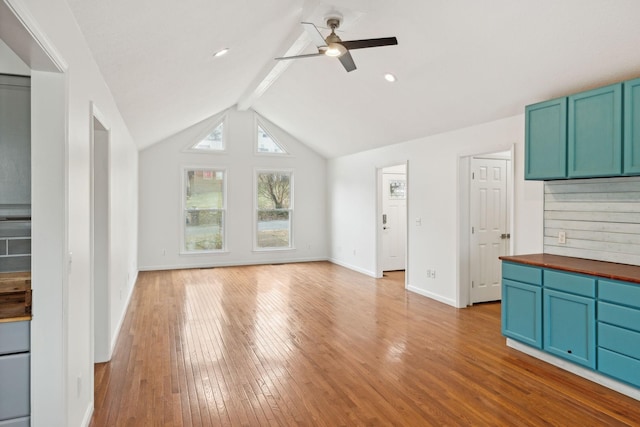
(100, 306)
(463, 291)
(378, 219)
(51, 258)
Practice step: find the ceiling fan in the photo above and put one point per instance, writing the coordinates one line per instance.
(333, 46)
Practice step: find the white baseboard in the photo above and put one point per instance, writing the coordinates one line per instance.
(87, 415)
(227, 264)
(431, 295)
(353, 267)
(603, 380)
(116, 332)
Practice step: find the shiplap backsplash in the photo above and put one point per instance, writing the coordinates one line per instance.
(601, 218)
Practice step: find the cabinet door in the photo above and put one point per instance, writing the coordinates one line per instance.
(522, 312)
(595, 132)
(632, 127)
(546, 140)
(570, 327)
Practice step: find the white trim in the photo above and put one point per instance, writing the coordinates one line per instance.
(353, 267)
(260, 122)
(589, 374)
(45, 46)
(181, 250)
(433, 296)
(96, 114)
(230, 264)
(116, 332)
(222, 119)
(86, 419)
(291, 209)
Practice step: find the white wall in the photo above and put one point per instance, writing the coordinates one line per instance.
(62, 365)
(161, 168)
(433, 185)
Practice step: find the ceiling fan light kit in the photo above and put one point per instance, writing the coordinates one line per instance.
(333, 46)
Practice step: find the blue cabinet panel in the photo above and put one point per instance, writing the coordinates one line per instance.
(632, 127)
(522, 273)
(14, 386)
(595, 132)
(570, 282)
(546, 140)
(619, 292)
(569, 327)
(16, 422)
(522, 312)
(619, 366)
(620, 340)
(618, 315)
(14, 337)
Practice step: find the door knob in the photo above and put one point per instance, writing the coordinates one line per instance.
(505, 236)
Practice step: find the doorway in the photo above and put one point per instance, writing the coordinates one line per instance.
(392, 218)
(486, 187)
(100, 238)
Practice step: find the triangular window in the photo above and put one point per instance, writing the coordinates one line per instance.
(266, 143)
(212, 142)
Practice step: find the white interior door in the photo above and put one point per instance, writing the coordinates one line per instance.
(394, 220)
(489, 227)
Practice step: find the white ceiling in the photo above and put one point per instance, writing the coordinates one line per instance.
(458, 62)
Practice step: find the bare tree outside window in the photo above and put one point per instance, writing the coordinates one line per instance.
(204, 210)
(274, 209)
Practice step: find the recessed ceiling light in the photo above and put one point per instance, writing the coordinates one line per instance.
(221, 52)
(390, 77)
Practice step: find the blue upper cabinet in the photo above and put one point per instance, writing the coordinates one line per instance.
(595, 133)
(632, 127)
(546, 140)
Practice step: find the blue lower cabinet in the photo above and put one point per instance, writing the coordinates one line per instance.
(619, 366)
(14, 386)
(522, 312)
(569, 327)
(16, 422)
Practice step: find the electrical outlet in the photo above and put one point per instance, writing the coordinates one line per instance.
(562, 237)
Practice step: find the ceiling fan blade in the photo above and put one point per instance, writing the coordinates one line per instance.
(314, 34)
(347, 62)
(308, 55)
(362, 44)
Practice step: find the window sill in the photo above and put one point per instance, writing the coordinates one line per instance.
(220, 252)
(263, 250)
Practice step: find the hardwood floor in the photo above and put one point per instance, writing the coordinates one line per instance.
(317, 344)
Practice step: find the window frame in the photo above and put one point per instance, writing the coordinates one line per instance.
(183, 212)
(259, 122)
(291, 209)
(202, 135)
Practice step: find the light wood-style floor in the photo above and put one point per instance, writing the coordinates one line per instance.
(316, 344)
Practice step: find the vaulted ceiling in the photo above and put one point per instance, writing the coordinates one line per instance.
(458, 62)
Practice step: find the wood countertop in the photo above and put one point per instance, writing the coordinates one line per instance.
(15, 297)
(609, 270)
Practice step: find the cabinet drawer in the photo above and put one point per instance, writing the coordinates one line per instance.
(16, 422)
(620, 340)
(571, 283)
(14, 387)
(14, 337)
(619, 366)
(522, 273)
(619, 292)
(619, 315)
